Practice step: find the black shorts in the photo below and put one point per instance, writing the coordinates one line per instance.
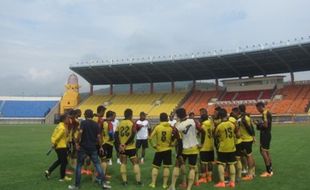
(206, 156)
(107, 151)
(142, 142)
(239, 150)
(265, 138)
(129, 153)
(247, 147)
(164, 157)
(192, 159)
(226, 157)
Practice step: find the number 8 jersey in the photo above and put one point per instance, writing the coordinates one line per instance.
(125, 130)
(225, 132)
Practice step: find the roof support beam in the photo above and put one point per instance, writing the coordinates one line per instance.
(141, 73)
(304, 49)
(121, 74)
(281, 60)
(184, 70)
(161, 71)
(209, 71)
(255, 63)
(101, 75)
(229, 65)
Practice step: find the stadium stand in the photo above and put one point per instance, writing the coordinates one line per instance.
(152, 104)
(25, 108)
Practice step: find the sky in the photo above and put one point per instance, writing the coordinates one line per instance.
(40, 39)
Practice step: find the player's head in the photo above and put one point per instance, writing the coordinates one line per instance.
(114, 115)
(235, 112)
(142, 116)
(64, 118)
(203, 111)
(242, 108)
(216, 111)
(181, 113)
(222, 113)
(191, 115)
(109, 115)
(88, 114)
(163, 117)
(78, 113)
(128, 113)
(101, 110)
(260, 106)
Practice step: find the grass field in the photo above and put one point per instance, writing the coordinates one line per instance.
(23, 160)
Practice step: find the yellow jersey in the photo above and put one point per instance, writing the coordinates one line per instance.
(125, 130)
(226, 136)
(235, 122)
(60, 136)
(245, 136)
(207, 144)
(162, 133)
(107, 133)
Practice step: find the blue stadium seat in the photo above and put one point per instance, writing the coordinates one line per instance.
(26, 108)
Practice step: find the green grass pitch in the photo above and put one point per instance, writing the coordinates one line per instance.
(23, 160)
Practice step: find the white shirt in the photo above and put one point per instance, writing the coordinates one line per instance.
(188, 130)
(115, 124)
(143, 133)
(172, 122)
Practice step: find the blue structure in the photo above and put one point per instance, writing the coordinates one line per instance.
(20, 108)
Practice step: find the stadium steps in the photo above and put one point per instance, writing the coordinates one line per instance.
(1, 106)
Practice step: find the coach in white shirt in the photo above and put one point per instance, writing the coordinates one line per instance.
(143, 130)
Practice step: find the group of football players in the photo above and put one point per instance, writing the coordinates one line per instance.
(223, 139)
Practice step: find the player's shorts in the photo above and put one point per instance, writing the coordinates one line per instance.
(265, 139)
(131, 153)
(247, 147)
(239, 150)
(206, 156)
(107, 151)
(164, 157)
(226, 157)
(192, 159)
(142, 142)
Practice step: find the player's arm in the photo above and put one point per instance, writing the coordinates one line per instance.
(110, 131)
(267, 117)
(132, 136)
(151, 138)
(57, 135)
(248, 127)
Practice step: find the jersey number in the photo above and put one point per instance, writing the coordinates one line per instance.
(229, 133)
(163, 136)
(186, 129)
(124, 131)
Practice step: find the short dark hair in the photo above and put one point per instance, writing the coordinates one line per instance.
(163, 117)
(235, 109)
(222, 113)
(242, 108)
(62, 117)
(101, 108)
(78, 111)
(191, 113)
(128, 113)
(109, 114)
(89, 113)
(217, 108)
(181, 113)
(260, 104)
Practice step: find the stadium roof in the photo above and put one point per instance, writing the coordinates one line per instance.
(285, 59)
